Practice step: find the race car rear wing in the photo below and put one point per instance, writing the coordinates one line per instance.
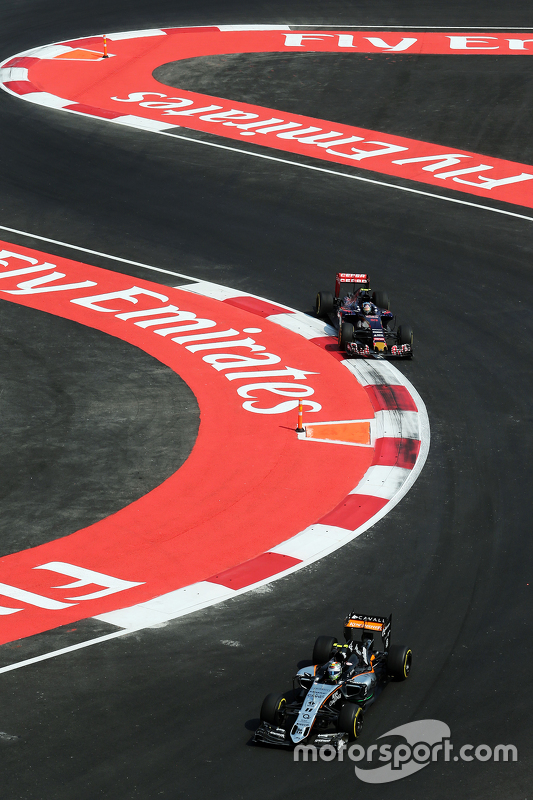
(349, 282)
(368, 622)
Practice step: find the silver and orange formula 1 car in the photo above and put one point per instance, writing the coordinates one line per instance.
(330, 697)
(365, 326)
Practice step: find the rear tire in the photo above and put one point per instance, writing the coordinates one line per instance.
(346, 332)
(273, 709)
(323, 648)
(381, 300)
(324, 304)
(399, 660)
(350, 720)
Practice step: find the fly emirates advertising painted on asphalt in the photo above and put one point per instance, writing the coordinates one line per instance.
(117, 84)
(249, 483)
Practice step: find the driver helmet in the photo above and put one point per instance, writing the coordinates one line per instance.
(334, 671)
(366, 308)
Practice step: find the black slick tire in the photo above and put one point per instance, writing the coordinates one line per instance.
(273, 709)
(346, 332)
(324, 305)
(399, 659)
(323, 648)
(350, 720)
(381, 300)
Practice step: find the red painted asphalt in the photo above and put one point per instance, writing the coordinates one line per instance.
(122, 88)
(249, 482)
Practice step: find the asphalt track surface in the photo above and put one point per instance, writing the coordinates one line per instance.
(169, 712)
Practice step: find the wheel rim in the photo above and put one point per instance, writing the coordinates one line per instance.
(407, 663)
(281, 709)
(358, 723)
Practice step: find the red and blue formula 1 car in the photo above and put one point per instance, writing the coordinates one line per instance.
(362, 318)
(331, 696)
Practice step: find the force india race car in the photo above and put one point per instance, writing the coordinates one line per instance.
(365, 325)
(330, 697)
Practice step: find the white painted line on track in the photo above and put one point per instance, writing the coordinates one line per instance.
(64, 650)
(340, 174)
(96, 253)
(216, 290)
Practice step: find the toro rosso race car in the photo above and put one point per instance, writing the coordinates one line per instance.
(365, 325)
(330, 697)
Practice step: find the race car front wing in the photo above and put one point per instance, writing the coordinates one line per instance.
(270, 734)
(365, 351)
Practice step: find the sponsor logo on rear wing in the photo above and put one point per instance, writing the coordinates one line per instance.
(370, 622)
(352, 278)
(370, 626)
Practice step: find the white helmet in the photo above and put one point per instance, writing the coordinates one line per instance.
(334, 671)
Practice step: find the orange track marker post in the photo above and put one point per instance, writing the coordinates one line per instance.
(105, 46)
(300, 428)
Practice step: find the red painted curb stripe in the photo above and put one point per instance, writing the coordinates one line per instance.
(22, 61)
(22, 87)
(257, 569)
(354, 511)
(396, 452)
(390, 398)
(256, 306)
(92, 111)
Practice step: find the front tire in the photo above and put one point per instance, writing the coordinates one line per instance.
(350, 720)
(399, 661)
(405, 335)
(323, 648)
(346, 332)
(273, 709)
(324, 305)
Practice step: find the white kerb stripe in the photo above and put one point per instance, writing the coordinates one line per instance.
(143, 122)
(168, 606)
(253, 27)
(395, 425)
(213, 290)
(382, 482)
(13, 74)
(46, 99)
(135, 34)
(49, 51)
(304, 326)
(372, 373)
(311, 542)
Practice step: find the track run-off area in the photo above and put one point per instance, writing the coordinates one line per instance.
(181, 267)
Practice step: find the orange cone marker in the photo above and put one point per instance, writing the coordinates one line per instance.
(300, 428)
